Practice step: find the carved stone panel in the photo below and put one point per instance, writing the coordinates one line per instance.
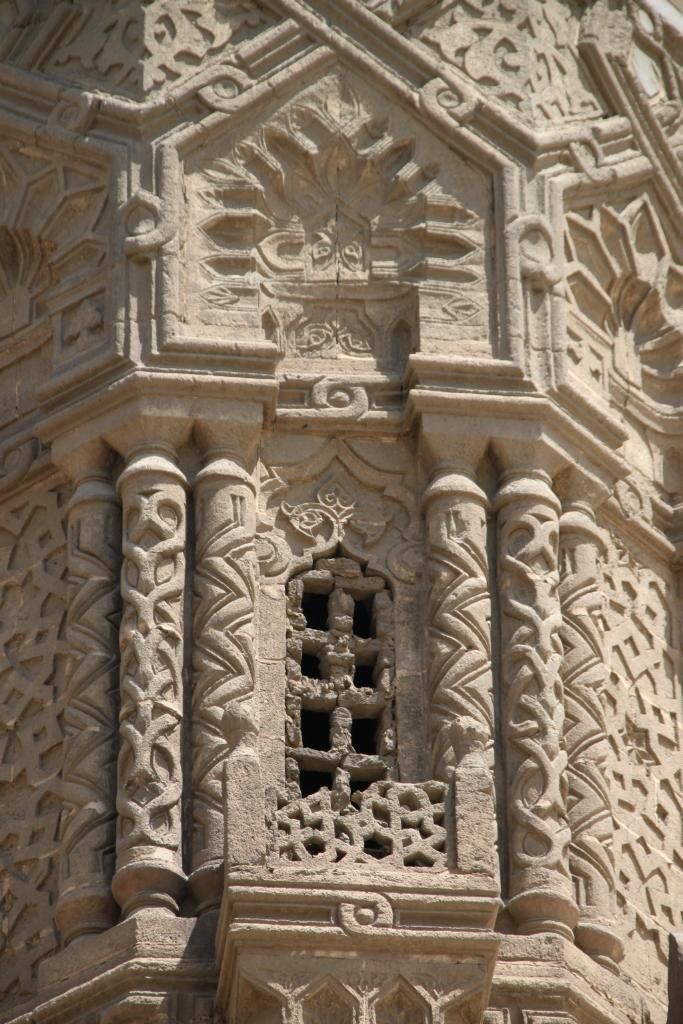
(341, 230)
(126, 47)
(54, 256)
(625, 278)
(642, 707)
(32, 673)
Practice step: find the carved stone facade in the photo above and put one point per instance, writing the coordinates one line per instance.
(341, 511)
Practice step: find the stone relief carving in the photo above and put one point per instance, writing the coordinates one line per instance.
(389, 825)
(342, 501)
(642, 712)
(223, 642)
(459, 615)
(626, 281)
(584, 676)
(533, 704)
(32, 672)
(53, 246)
(88, 826)
(379, 993)
(323, 225)
(524, 55)
(148, 854)
(132, 49)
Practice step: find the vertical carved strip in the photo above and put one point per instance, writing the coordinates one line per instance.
(223, 653)
(149, 852)
(590, 818)
(459, 615)
(88, 832)
(533, 708)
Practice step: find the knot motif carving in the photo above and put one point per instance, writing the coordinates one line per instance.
(151, 638)
(533, 708)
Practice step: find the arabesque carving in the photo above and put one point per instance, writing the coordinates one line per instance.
(323, 225)
(523, 55)
(533, 704)
(134, 49)
(148, 849)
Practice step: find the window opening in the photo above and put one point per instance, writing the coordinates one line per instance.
(314, 607)
(340, 681)
(315, 730)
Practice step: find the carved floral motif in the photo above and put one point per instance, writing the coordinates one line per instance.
(625, 279)
(316, 226)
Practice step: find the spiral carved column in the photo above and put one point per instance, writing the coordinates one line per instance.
(459, 615)
(533, 704)
(85, 905)
(590, 818)
(149, 840)
(223, 652)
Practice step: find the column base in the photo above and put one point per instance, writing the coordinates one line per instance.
(539, 911)
(148, 886)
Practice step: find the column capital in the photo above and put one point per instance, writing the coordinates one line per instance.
(231, 433)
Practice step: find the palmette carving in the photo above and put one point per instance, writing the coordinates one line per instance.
(223, 654)
(584, 676)
(533, 709)
(89, 771)
(458, 614)
(149, 870)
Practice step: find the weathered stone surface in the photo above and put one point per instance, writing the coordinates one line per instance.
(341, 511)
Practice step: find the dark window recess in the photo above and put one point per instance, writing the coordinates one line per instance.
(311, 782)
(376, 847)
(314, 607)
(315, 730)
(364, 735)
(362, 618)
(359, 785)
(310, 666)
(364, 675)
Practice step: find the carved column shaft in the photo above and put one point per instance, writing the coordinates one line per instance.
(459, 615)
(533, 707)
(584, 676)
(87, 839)
(149, 849)
(223, 652)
